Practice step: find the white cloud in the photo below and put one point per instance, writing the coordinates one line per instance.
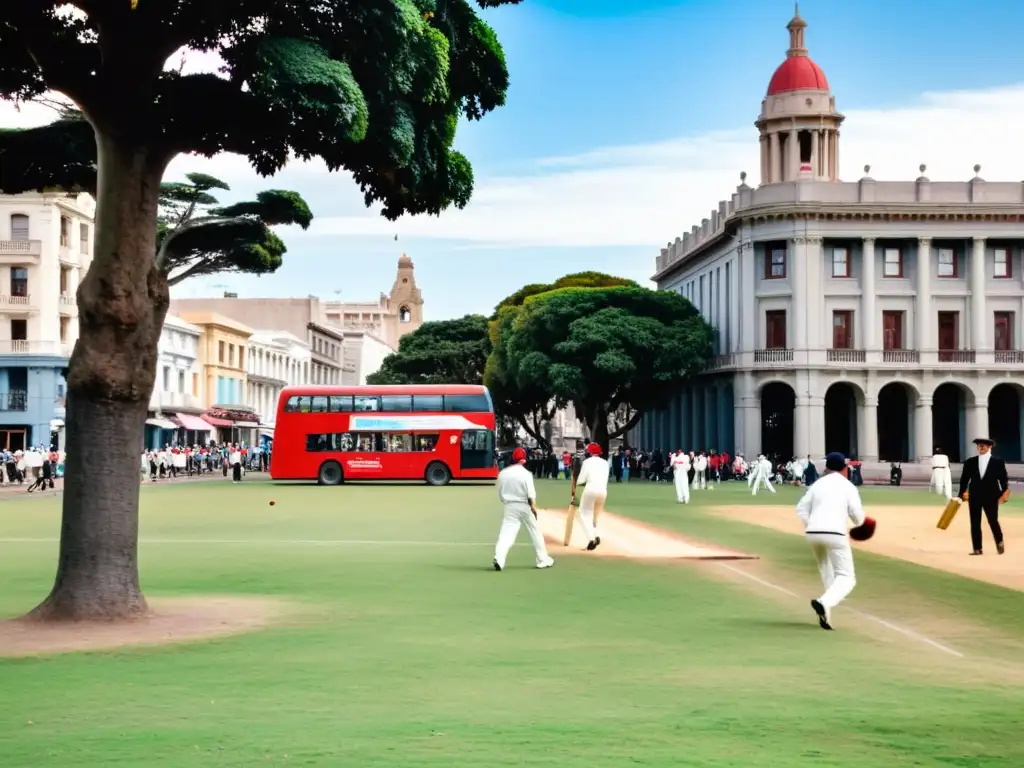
(647, 195)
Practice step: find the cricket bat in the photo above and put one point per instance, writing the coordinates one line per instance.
(949, 513)
(569, 517)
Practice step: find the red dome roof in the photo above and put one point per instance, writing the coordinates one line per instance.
(797, 73)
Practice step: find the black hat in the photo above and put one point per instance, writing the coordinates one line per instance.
(984, 441)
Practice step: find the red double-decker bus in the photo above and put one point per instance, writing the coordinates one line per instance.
(436, 433)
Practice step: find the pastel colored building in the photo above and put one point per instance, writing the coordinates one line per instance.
(177, 402)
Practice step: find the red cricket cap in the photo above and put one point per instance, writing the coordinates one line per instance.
(594, 449)
(519, 455)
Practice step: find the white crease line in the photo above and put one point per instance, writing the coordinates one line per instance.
(887, 624)
(300, 542)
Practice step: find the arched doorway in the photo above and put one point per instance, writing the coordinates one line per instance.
(948, 421)
(895, 408)
(841, 419)
(778, 402)
(1004, 423)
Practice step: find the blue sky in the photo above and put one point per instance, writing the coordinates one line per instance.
(628, 121)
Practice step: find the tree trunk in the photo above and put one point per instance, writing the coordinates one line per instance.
(599, 427)
(122, 302)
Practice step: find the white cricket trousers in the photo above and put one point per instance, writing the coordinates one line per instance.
(761, 478)
(682, 486)
(590, 502)
(700, 478)
(516, 515)
(834, 555)
(942, 482)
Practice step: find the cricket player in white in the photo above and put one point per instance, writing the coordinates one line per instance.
(826, 510)
(700, 471)
(761, 471)
(942, 480)
(680, 468)
(519, 496)
(594, 476)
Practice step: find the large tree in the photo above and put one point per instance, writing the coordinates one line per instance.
(376, 87)
(608, 351)
(527, 400)
(439, 352)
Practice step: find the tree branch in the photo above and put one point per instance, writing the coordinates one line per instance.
(202, 267)
(633, 421)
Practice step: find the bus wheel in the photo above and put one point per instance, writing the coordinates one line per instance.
(330, 473)
(438, 474)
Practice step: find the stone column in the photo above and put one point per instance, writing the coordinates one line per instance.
(747, 306)
(723, 438)
(923, 304)
(710, 417)
(801, 427)
(818, 327)
(835, 154)
(793, 150)
(867, 430)
(979, 319)
(775, 162)
(816, 154)
(674, 420)
(694, 419)
(868, 340)
(797, 274)
(922, 430)
(976, 426)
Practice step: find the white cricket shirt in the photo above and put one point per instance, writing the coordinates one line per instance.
(515, 485)
(594, 474)
(830, 504)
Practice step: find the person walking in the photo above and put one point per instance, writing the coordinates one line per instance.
(700, 466)
(984, 485)
(825, 510)
(760, 473)
(680, 463)
(235, 459)
(942, 480)
(594, 472)
(518, 496)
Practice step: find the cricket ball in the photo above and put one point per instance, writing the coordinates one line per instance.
(272, 502)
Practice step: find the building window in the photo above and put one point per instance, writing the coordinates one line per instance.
(840, 262)
(167, 379)
(195, 384)
(65, 232)
(19, 329)
(949, 331)
(19, 281)
(893, 265)
(775, 261)
(241, 357)
(1003, 336)
(842, 329)
(775, 329)
(892, 329)
(1003, 263)
(221, 351)
(231, 355)
(947, 262)
(83, 238)
(65, 325)
(19, 227)
(181, 381)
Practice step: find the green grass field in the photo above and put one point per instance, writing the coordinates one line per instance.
(416, 653)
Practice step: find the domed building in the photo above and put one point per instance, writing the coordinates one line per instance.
(880, 319)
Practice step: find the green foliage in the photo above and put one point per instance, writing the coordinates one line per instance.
(575, 280)
(608, 351)
(372, 86)
(440, 352)
(196, 238)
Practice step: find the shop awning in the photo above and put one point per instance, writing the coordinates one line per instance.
(162, 423)
(193, 422)
(214, 421)
(56, 423)
(246, 424)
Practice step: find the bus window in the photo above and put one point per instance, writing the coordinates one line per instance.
(466, 404)
(319, 404)
(340, 404)
(425, 443)
(398, 443)
(298, 404)
(477, 449)
(396, 403)
(431, 403)
(337, 441)
(364, 403)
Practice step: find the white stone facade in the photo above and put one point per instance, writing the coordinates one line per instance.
(880, 319)
(276, 359)
(179, 381)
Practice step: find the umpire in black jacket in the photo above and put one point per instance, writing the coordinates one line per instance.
(984, 485)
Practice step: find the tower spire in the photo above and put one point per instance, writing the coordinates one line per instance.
(796, 29)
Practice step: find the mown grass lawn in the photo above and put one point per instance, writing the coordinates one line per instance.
(417, 654)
